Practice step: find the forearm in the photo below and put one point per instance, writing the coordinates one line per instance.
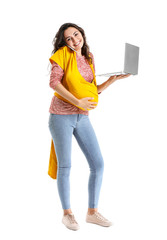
(112, 79)
(61, 90)
(104, 85)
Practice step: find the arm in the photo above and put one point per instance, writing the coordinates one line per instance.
(61, 90)
(55, 83)
(83, 102)
(107, 83)
(104, 85)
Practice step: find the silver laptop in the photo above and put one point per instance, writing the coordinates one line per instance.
(131, 61)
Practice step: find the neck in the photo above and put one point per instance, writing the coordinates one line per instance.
(79, 52)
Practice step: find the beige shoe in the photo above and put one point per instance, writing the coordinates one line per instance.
(70, 222)
(97, 218)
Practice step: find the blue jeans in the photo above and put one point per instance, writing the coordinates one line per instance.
(62, 127)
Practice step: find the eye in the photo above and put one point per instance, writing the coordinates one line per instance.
(76, 34)
(68, 39)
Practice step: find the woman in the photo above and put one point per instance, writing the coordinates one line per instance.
(76, 92)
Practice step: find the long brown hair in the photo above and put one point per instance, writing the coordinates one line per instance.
(59, 40)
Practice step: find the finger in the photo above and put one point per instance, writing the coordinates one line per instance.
(119, 76)
(122, 76)
(127, 75)
(92, 106)
(93, 103)
(113, 77)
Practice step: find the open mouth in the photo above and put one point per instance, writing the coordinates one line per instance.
(77, 44)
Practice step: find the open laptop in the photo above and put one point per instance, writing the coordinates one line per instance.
(131, 61)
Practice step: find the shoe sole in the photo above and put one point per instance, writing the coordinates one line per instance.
(89, 221)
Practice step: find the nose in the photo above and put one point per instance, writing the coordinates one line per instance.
(74, 40)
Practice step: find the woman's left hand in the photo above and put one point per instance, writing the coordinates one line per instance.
(117, 77)
(112, 79)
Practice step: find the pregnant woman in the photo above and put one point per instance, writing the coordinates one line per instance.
(76, 92)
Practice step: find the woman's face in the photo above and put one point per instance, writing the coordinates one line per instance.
(74, 39)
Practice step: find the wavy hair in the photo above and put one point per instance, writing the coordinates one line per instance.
(59, 40)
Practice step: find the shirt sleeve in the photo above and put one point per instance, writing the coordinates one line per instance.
(56, 75)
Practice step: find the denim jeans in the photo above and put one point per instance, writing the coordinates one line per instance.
(62, 128)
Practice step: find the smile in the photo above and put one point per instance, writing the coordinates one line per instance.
(77, 44)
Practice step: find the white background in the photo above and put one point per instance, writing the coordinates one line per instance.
(130, 121)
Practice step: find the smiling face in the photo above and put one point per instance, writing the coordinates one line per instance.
(74, 39)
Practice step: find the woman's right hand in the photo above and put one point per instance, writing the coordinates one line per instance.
(86, 104)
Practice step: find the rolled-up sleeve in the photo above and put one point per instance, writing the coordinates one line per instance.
(56, 75)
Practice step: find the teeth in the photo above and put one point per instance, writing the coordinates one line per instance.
(77, 44)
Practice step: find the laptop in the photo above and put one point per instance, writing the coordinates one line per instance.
(131, 62)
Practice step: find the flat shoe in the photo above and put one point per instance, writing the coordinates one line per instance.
(98, 219)
(70, 222)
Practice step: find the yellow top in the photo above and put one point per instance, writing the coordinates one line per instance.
(75, 84)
